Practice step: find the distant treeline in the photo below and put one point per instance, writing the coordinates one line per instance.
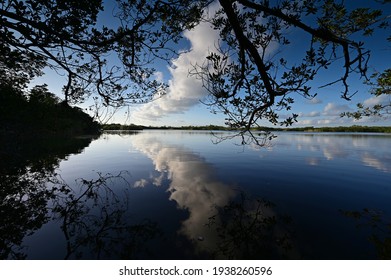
(116, 126)
(354, 128)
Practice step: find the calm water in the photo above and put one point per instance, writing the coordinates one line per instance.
(176, 195)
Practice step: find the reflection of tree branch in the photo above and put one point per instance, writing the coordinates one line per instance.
(381, 229)
(248, 229)
(259, 138)
(23, 198)
(95, 218)
(24, 194)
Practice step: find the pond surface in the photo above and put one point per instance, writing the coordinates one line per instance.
(177, 195)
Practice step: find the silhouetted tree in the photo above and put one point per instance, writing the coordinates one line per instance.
(41, 94)
(381, 87)
(65, 36)
(39, 113)
(246, 80)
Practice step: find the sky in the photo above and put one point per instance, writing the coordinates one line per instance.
(182, 105)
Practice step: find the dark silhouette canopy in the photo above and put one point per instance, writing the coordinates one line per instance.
(114, 65)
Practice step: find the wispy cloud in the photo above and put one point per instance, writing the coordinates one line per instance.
(319, 121)
(310, 114)
(381, 99)
(314, 100)
(334, 109)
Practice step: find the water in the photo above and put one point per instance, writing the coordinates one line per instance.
(177, 195)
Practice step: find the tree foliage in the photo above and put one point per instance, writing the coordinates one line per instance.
(249, 78)
(112, 64)
(39, 114)
(381, 87)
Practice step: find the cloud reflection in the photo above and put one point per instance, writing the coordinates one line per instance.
(312, 161)
(380, 163)
(194, 185)
(372, 151)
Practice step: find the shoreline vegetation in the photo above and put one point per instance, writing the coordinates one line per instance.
(354, 128)
(40, 114)
(38, 124)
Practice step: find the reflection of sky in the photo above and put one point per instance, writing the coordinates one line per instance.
(371, 150)
(306, 175)
(381, 163)
(193, 183)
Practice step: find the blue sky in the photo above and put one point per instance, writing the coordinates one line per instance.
(182, 106)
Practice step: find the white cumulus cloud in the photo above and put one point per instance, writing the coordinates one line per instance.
(184, 91)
